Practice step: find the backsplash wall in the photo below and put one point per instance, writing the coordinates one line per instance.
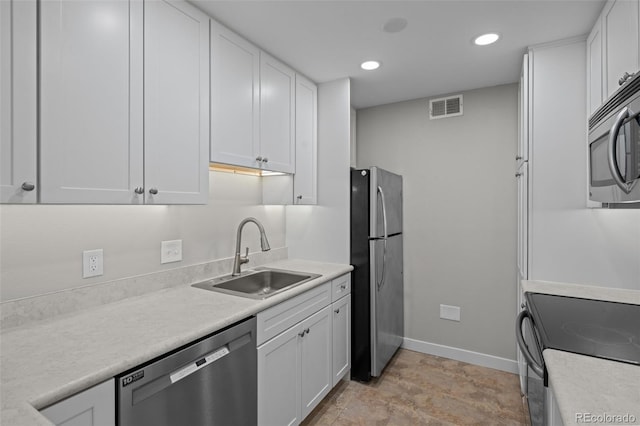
(41, 245)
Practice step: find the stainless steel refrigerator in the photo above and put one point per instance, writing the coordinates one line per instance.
(377, 288)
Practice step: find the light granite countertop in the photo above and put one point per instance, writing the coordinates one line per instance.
(585, 385)
(49, 361)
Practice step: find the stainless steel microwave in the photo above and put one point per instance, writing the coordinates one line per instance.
(614, 148)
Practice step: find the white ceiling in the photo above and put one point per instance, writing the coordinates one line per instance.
(434, 55)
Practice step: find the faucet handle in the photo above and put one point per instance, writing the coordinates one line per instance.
(245, 259)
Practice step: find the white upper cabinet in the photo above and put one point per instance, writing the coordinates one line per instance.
(176, 104)
(235, 101)
(252, 105)
(595, 88)
(305, 179)
(91, 126)
(18, 101)
(277, 126)
(621, 41)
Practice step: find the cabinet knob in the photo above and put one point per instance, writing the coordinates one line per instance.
(139, 190)
(28, 186)
(299, 197)
(518, 174)
(265, 160)
(153, 191)
(518, 157)
(259, 159)
(337, 311)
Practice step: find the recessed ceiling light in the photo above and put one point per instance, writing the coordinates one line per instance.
(486, 39)
(394, 25)
(370, 65)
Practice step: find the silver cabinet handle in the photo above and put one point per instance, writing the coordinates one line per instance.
(303, 332)
(153, 191)
(28, 186)
(613, 145)
(139, 190)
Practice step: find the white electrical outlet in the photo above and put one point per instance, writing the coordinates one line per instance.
(449, 312)
(92, 264)
(171, 251)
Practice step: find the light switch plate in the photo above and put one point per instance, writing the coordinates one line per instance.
(450, 312)
(171, 251)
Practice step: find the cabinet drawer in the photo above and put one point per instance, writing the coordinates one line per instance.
(340, 287)
(278, 318)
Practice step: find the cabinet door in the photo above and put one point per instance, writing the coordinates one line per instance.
(18, 101)
(277, 127)
(341, 312)
(176, 103)
(94, 407)
(523, 221)
(620, 23)
(235, 100)
(594, 68)
(91, 93)
(315, 360)
(305, 180)
(279, 380)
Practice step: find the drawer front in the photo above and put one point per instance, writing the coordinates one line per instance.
(280, 317)
(341, 286)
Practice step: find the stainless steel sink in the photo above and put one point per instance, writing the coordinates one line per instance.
(259, 283)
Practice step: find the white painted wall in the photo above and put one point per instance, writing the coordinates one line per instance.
(459, 214)
(41, 245)
(321, 232)
(570, 243)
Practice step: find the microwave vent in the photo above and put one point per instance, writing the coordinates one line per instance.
(445, 107)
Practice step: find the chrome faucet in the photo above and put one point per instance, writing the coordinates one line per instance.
(239, 259)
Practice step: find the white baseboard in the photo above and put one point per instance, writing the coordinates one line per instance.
(476, 358)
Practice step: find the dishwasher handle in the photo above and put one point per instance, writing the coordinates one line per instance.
(535, 366)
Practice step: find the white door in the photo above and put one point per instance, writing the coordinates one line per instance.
(620, 23)
(279, 380)
(341, 324)
(277, 115)
(91, 127)
(176, 103)
(315, 360)
(305, 178)
(18, 101)
(235, 99)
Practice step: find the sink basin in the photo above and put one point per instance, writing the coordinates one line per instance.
(259, 283)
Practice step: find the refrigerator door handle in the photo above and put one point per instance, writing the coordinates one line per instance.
(384, 237)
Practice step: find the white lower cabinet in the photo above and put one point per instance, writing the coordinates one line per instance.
(92, 407)
(299, 366)
(341, 311)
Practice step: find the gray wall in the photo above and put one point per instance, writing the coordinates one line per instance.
(459, 214)
(41, 245)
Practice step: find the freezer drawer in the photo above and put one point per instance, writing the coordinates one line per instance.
(212, 382)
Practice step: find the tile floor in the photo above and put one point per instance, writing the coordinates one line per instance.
(420, 389)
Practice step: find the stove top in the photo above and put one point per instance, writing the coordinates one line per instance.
(598, 328)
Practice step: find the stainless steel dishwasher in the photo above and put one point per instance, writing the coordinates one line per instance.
(210, 382)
